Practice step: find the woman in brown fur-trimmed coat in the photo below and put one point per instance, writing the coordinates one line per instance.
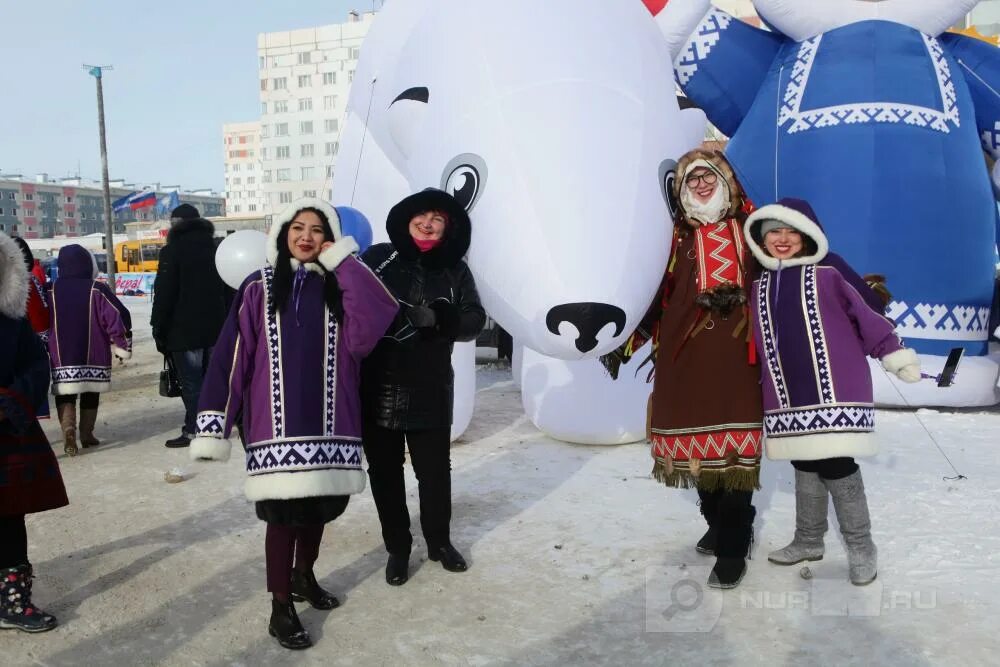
(705, 409)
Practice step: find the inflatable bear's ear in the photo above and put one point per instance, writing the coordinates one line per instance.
(693, 123)
(406, 115)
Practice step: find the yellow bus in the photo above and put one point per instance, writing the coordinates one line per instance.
(138, 256)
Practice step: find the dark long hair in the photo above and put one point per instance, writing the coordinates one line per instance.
(284, 275)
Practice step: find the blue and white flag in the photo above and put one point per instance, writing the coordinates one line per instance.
(122, 203)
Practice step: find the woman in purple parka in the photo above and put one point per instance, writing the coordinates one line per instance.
(815, 326)
(89, 324)
(288, 359)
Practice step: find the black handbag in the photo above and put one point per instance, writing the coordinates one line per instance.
(170, 384)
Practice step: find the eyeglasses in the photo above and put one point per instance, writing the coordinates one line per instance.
(706, 177)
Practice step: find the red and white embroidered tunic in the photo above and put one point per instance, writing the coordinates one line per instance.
(706, 404)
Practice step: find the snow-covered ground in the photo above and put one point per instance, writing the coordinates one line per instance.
(577, 555)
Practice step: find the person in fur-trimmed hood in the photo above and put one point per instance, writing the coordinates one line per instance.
(814, 331)
(289, 361)
(189, 307)
(29, 474)
(705, 408)
(38, 305)
(89, 324)
(408, 382)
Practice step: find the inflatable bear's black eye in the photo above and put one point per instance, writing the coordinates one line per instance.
(464, 178)
(463, 185)
(667, 174)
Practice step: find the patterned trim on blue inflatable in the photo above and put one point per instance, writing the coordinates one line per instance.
(991, 140)
(702, 41)
(935, 321)
(866, 112)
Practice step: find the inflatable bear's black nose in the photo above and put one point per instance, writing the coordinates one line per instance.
(588, 318)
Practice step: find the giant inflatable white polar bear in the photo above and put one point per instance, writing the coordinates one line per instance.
(556, 124)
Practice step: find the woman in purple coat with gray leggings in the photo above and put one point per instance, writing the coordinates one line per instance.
(815, 325)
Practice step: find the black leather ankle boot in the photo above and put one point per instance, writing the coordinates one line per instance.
(286, 628)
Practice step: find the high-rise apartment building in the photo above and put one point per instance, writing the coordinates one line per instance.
(305, 78)
(241, 143)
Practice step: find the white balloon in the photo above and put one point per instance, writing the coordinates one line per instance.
(239, 255)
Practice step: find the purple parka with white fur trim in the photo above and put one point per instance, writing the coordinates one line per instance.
(88, 322)
(814, 331)
(294, 375)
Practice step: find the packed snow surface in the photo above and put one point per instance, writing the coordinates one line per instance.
(577, 556)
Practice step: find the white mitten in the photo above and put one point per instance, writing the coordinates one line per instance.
(909, 373)
(904, 364)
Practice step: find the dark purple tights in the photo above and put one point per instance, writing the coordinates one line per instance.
(284, 544)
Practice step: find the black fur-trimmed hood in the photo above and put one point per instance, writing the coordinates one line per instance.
(182, 227)
(457, 235)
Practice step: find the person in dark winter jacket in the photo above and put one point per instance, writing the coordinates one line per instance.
(89, 324)
(408, 382)
(189, 307)
(815, 326)
(288, 365)
(29, 474)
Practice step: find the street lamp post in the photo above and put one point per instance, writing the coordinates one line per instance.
(96, 71)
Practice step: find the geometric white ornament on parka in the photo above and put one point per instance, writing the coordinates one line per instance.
(879, 118)
(557, 127)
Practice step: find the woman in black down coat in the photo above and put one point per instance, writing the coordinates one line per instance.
(407, 382)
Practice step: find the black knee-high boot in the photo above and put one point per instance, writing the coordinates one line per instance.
(735, 537)
(709, 506)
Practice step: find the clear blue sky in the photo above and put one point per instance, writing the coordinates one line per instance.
(181, 70)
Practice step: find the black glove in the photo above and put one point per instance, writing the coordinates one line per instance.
(421, 317)
(448, 318)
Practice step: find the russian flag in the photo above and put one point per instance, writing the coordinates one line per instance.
(142, 200)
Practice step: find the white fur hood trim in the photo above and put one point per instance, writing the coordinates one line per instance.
(796, 221)
(288, 215)
(13, 279)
